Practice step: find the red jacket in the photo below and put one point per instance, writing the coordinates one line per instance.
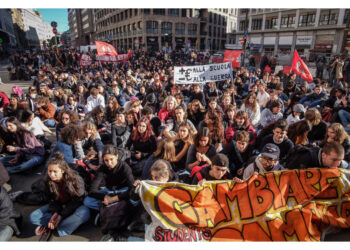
(164, 114)
(230, 132)
(5, 100)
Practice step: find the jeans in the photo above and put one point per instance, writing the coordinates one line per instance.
(310, 104)
(29, 162)
(6, 233)
(344, 116)
(50, 123)
(94, 203)
(67, 226)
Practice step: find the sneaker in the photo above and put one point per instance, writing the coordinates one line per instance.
(97, 220)
(46, 235)
(108, 237)
(14, 195)
(39, 230)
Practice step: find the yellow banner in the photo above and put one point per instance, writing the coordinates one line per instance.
(293, 205)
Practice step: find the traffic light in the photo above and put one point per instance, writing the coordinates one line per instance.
(244, 40)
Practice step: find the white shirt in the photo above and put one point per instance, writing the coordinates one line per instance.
(262, 98)
(93, 103)
(37, 127)
(254, 117)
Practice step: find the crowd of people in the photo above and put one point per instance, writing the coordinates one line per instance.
(116, 124)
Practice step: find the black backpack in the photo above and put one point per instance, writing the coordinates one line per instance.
(292, 160)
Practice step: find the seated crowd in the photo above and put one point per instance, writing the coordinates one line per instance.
(115, 125)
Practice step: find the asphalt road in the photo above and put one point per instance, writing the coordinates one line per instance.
(87, 231)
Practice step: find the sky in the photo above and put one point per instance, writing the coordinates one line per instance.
(60, 16)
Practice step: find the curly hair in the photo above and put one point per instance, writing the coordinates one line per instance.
(71, 178)
(73, 117)
(340, 133)
(71, 133)
(217, 132)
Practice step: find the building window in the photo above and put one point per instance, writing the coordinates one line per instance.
(328, 18)
(126, 14)
(183, 12)
(167, 28)
(147, 11)
(173, 12)
(136, 12)
(210, 17)
(288, 21)
(307, 19)
(152, 27)
(243, 25)
(192, 29)
(347, 12)
(179, 28)
(209, 30)
(271, 23)
(159, 12)
(196, 13)
(256, 24)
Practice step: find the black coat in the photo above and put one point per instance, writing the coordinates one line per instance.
(8, 215)
(113, 179)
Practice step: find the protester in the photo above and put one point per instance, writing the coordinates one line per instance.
(65, 211)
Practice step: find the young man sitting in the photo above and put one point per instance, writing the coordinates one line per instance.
(279, 138)
(218, 170)
(267, 160)
(330, 156)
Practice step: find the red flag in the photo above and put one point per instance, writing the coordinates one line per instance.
(287, 70)
(300, 68)
(105, 49)
(267, 68)
(234, 57)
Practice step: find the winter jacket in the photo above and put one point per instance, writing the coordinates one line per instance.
(8, 214)
(47, 112)
(67, 207)
(117, 178)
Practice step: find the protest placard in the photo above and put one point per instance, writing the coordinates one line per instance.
(293, 205)
(201, 74)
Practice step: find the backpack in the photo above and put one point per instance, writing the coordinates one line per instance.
(17, 90)
(293, 157)
(196, 171)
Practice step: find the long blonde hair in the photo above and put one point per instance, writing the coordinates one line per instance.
(340, 133)
(170, 97)
(89, 125)
(166, 150)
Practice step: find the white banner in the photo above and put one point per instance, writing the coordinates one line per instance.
(203, 73)
(85, 60)
(120, 57)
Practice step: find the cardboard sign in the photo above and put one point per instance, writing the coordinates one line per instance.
(202, 73)
(293, 205)
(85, 60)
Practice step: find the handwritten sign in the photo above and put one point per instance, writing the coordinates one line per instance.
(293, 205)
(203, 73)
